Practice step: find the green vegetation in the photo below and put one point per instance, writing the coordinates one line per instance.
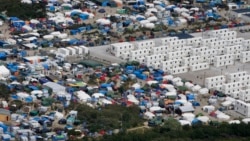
(22, 10)
(109, 117)
(172, 130)
(4, 92)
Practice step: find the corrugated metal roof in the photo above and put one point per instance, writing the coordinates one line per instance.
(4, 112)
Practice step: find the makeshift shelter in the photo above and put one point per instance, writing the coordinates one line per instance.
(55, 87)
(4, 72)
(84, 97)
(90, 63)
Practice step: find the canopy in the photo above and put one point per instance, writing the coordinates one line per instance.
(83, 96)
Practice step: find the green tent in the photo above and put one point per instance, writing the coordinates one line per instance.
(90, 63)
(34, 113)
(182, 88)
(47, 101)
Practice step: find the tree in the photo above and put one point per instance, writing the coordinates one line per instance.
(4, 92)
(172, 124)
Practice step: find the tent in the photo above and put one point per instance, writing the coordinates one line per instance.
(4, 72)
(90, 63)
(83, 96)
(132, 99)
(55, 87)
(83, 16)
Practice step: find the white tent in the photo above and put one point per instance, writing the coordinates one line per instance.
(185, 122)
(33, 21)
(152, 19)
(234, 122)
(152, 82)
(136, 86)
(171, 93)
(203, 91)
(58, 115)
(39, 92)
(168, 77)
(148, 115)
(27, 27)
(97, 95)
(48, 37)
(149, 25)
(226, 103)
(169, 87)
(196, 88)
(103, 21)
(4, 72)
(176, 79)
(223, 116)
(188, 116)
(179, 83)
(203, 119)
(208, 108)
(55, 87)
(83, 96)
(132, 98)
(246, 120)
(154, 108)
(189, 85)
(105, 101)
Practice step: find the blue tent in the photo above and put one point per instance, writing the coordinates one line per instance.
(29, 99)
(2, 43)
(190, 97)
(33, 87)
(195, 103)
(103, 92)
(46, 66)
(81, 29)
(3, 56)
(73, 32)
(73, 41)
(105, 85)
(84, 16)
(139, 91)
(196, 121)
(19, 23)
(5, 127)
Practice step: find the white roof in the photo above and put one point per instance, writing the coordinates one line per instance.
(168, 77)
(37, 92)
(97, 95)
(234, 122)
(152, 82)
(226, 103)
(55, 87)
(185, 122)
(132, 98)
(22, 94)
(223, 116)
(82, 95)
(203, 119)
(246, 120)
(136, 86)
(155, 108)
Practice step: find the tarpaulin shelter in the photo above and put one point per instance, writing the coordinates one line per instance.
(90, 63)
(83, 16)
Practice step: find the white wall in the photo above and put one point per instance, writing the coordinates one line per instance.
(242, 108)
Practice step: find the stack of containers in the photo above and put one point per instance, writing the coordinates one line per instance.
(245, 57)
(232, 89)
(215, 82)
(224, 60)
(244, 95)
(234, 77)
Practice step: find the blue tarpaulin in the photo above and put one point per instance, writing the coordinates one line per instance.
(84, 16)
(139, 91)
